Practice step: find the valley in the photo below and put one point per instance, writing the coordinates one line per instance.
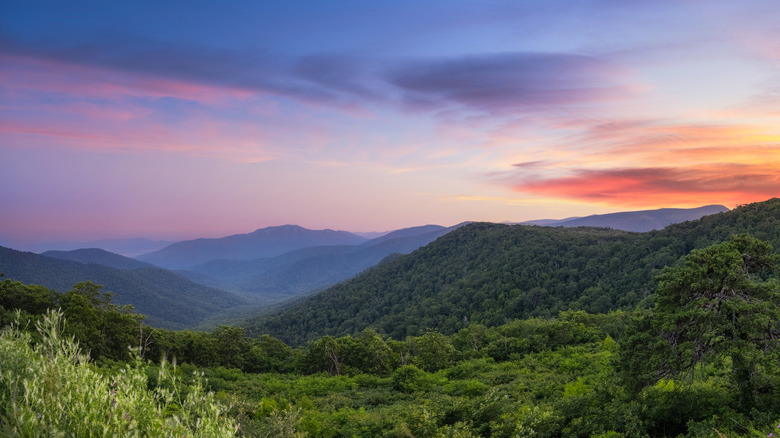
(479, 330)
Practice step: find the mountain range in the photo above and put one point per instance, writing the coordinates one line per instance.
(250, 271)
(264, 242)
(309, 269)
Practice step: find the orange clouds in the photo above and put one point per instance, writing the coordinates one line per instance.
(652, 164)
(672, 186)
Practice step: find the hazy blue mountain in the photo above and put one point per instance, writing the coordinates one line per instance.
(309, 269)
(370, 234)
(99, 257)
(126, 247)
(407, 233)
(638, 221)
(265, 242)
(168, 299)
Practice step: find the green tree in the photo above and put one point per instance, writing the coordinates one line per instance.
(434, 351)
(106, 329)
(232, 346)
(379, 356)
(716, 304)
(325, 354)
(30, 298)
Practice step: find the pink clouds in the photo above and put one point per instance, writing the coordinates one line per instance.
(24, 74)
(85, 108)
(640, 104)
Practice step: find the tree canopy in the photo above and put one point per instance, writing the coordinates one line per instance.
(716, 304)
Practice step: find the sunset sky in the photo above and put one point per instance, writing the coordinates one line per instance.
(183, 119)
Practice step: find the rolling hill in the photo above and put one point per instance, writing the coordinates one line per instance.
(492, 273)
(167, 299)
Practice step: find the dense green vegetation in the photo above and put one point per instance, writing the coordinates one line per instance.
(49, 389)
(697, 356)
(492, 274)
(701, 362)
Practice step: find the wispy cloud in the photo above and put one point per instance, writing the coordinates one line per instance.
(510, 82)
(493, 83)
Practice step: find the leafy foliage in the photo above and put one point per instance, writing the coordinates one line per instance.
(713, 305)
(50, 387)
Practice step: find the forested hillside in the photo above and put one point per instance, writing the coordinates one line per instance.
(167, 299)
(491, 274)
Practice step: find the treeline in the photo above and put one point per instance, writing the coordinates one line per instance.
(492, 274)
(109, 331)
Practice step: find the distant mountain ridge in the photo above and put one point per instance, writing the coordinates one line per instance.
(167, 299)
(131, 247)
(312, 268)
(264, 242)
(636, 221)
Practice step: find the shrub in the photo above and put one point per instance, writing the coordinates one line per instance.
(51, 386)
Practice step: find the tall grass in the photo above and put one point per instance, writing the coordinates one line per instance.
(48, 388)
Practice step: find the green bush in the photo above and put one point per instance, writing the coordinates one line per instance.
(51, 386)
(409, 378)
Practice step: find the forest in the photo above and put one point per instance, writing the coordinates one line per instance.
(694, 352)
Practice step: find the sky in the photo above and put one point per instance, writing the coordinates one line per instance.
(174, 120)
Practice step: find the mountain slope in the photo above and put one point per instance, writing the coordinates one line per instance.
(637, 221)
(98, 257)
(265, 242)
(166, 298)
(492, 273)
(309, 269)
